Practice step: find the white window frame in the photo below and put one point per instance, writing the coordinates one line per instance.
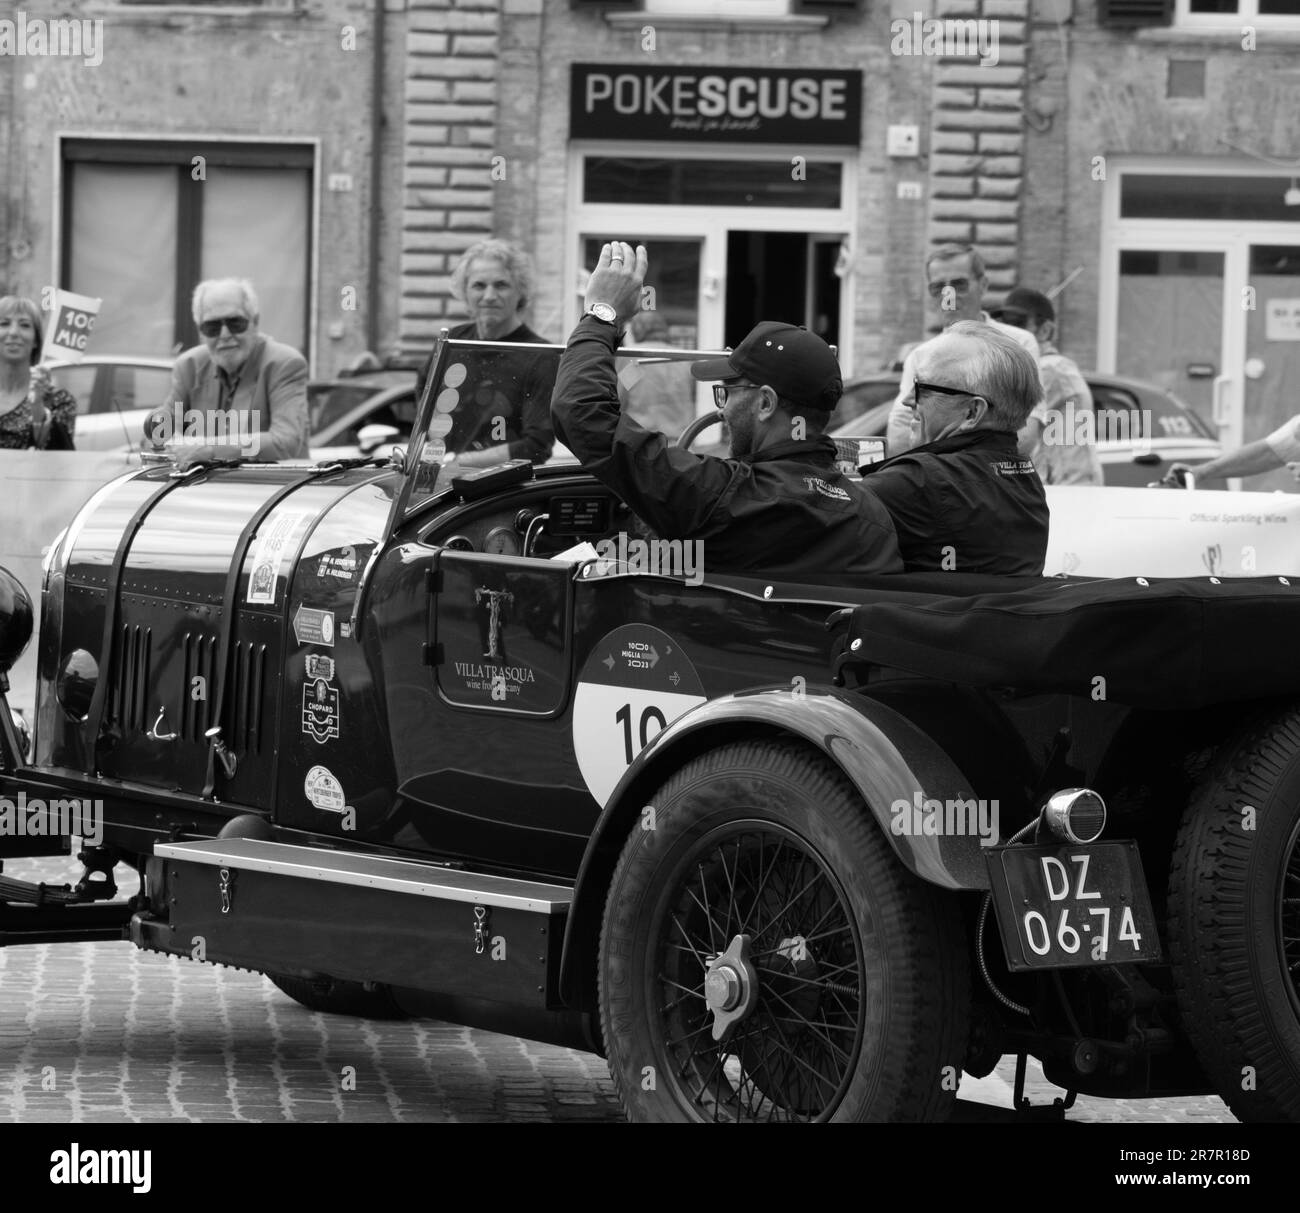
(1247, 14)
(1231, 237)
(737, 9)
(711, 223)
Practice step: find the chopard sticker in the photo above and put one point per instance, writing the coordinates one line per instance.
(269, 555)
(320, 667)
(320, 711)
(311, 626)
(826, 490)
(323, 790)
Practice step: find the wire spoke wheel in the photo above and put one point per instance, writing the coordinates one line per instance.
(765, 958)
(791, 1058)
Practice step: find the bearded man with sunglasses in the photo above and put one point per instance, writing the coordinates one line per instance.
(780, 505)
(963, 498)
(239, 394)
(955, 282)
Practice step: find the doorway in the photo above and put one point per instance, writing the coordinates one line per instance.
(786, 276)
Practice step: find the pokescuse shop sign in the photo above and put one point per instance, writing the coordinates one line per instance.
(744, 105)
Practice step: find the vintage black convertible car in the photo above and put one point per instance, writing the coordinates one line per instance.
(394, 736)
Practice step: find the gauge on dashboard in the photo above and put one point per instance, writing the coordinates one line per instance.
(502, 541)
(459, 543)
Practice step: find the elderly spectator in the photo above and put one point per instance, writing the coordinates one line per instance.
(239, 394)
(964, 499)
(955, 281)
(1060, 436)
(33, 412)
(504, 406)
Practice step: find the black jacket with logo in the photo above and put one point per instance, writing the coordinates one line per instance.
(967, 503)
(784, 511)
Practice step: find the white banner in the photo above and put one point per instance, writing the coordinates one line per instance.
(70, 326)
(1114, 532)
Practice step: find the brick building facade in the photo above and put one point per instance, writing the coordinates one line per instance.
(1137, 151)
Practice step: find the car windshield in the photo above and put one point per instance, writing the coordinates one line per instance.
(490, 402)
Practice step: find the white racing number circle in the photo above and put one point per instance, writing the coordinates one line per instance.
(635, 683)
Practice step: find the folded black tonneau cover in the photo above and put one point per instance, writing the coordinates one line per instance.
(1158, 642)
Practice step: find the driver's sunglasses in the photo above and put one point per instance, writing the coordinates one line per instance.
(236, 325)
(918, 387)
(720, 391)
(959, 285)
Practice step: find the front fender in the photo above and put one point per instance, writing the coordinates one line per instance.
(886, 757)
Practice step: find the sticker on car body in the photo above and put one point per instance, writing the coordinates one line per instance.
(269, 554)
(636, 681)
(324, 790)
(312, 626)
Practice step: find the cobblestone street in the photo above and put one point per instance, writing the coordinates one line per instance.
(102, 1032)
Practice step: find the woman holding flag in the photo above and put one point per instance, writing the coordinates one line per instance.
(33, 412)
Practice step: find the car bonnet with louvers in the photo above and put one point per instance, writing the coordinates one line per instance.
(170, 608)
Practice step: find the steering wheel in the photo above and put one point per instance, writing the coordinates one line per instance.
(697, 427)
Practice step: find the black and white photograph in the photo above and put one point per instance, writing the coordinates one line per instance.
(650, 561)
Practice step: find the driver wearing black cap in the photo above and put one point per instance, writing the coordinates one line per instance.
(779, 505)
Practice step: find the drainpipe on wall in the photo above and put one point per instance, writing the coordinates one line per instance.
(376, 179)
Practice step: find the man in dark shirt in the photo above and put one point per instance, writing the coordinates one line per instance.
(779, 506)
(502, 408)
(963, 499)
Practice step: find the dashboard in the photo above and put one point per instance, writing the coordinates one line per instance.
(541, 524)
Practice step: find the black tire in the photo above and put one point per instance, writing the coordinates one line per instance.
(861, 972)
(1234, 921)
(336, 997)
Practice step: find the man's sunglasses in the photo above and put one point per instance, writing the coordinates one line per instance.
(959, 285)
(720, 391)
(236, 325)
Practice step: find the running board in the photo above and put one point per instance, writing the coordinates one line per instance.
(286, 908)
(372, 871)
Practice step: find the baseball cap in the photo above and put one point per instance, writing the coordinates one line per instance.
(1023, 307)
(798, 364)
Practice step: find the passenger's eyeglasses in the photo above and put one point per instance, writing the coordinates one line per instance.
(959, 285)
(918, 387)
(236, 325)
(720, 391)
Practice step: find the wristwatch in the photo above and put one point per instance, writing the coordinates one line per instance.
(604, 313)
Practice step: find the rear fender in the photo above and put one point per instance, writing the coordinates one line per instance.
(893, 764)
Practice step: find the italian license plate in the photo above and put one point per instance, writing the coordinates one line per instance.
(1066, 906)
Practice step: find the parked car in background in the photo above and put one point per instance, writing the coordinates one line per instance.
(114, 395)
(1141, 428)
(380, 402)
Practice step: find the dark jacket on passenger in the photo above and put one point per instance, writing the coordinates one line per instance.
(967, 503)
(784, 511)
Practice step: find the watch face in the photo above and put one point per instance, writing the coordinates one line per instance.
(603, 311)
